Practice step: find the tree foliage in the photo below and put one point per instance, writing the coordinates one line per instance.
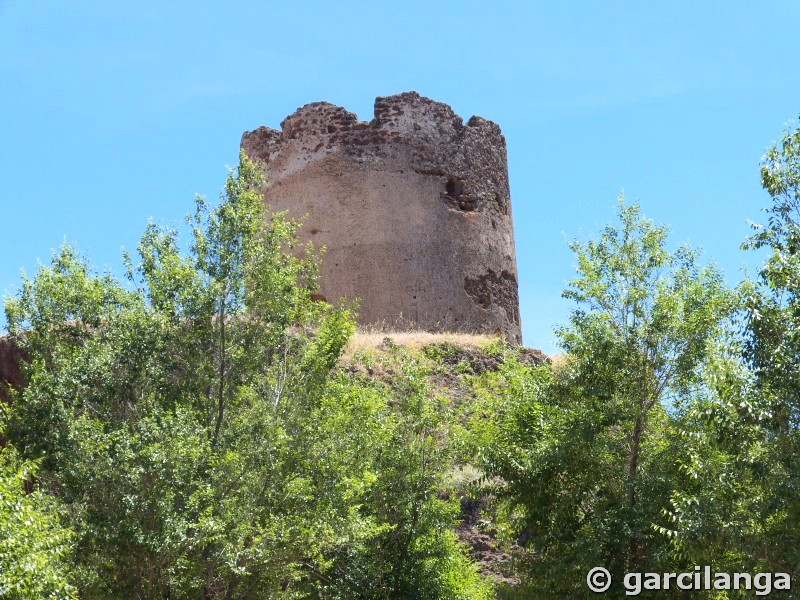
(34, 545)
(418, 554)
(772, 350)
(588, 451)
(737, 506)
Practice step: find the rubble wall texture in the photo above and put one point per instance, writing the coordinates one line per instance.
(413, 208)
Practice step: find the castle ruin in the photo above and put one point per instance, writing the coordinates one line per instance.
(413, 207)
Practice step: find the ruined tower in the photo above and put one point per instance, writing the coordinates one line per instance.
(413, 207)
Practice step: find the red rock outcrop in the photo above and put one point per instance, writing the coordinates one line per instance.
(10, 367)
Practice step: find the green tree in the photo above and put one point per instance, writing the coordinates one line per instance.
(34, 545)
(772, 350)
(588, 451)
(181, 418)
(716, 512)
(737, 507)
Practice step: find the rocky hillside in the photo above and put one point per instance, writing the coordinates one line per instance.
(462, 373)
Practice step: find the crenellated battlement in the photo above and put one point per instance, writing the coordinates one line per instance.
(330, 126)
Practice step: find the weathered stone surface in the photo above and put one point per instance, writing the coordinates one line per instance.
(10, 367)
(413, 207)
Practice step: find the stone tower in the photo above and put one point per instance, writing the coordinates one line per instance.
(413, 207)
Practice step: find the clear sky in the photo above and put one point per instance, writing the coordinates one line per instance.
(115, 112)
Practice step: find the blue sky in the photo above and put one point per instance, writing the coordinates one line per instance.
(115, 112)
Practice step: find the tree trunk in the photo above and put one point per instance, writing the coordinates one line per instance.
(633, 472)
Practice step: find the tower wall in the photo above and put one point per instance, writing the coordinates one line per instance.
(413, 207)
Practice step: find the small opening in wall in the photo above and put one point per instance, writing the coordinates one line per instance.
(454, 187)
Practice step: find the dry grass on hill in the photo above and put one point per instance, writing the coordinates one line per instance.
(374, 340)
